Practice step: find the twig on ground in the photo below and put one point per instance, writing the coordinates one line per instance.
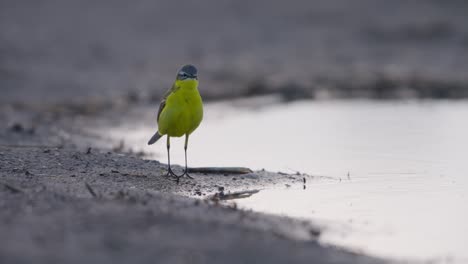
(220, 170)
(90, 190)
(234, 195)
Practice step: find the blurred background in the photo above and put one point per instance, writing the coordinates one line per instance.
(54, 50)
(391, 160)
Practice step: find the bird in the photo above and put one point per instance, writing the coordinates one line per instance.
(180, 113)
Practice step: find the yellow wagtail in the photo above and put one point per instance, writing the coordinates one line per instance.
(180, 112)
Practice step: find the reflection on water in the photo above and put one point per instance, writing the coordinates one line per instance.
(407, 190)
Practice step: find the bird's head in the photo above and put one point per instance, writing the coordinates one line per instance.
(188, 72)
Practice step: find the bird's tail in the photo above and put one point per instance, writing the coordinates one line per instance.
(154, 138)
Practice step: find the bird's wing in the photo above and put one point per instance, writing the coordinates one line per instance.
(163, 102)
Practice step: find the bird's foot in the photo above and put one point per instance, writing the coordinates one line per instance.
(187, 175)
(176, 177)
(171, 174)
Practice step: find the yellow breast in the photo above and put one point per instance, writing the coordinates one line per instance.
(183, 112)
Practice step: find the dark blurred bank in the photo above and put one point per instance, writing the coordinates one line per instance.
(64, 50)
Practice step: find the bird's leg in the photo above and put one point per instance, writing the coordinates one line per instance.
(170, 173)
(185, 149)
(168, 145)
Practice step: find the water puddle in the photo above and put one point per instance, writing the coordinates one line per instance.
(398, 173)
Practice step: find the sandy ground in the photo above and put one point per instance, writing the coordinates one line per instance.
(65, 205)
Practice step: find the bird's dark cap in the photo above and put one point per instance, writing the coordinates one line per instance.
(190, 70)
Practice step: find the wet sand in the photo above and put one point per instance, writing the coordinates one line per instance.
(72, 206)
(62, 201)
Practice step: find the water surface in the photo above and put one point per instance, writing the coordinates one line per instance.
(398, 171)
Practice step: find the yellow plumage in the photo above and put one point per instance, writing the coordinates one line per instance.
(183, 109)
(180, 112)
